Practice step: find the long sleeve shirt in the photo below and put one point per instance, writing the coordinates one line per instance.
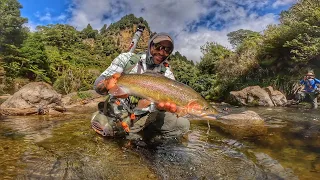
(310, 85)
(118, 65)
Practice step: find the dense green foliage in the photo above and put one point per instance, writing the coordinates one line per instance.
(292, 47)
(70, 59)
(12, 34)
(127, 21)
(236, 38)
(58, 54)
(11, 30)
(278, 57)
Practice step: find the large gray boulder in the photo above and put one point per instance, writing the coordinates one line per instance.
(257, 96)
(33, 95)
(276, 96)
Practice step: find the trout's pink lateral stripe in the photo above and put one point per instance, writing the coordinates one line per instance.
(159, 88)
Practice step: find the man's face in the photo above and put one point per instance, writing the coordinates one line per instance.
(161, 51)
(309, 77)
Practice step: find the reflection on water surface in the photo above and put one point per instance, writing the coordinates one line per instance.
(66, 148)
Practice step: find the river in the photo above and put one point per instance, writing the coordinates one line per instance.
(65, 147)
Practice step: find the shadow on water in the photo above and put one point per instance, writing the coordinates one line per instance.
(39, 147)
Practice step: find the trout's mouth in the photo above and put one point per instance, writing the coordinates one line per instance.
(204, 116)
(210, 117)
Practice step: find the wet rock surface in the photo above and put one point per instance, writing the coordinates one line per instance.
(33, 98)
(244, 124)
(199, 160)
(40, 98)
(273, 168)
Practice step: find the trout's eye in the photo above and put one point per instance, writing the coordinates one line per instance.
(205, 108)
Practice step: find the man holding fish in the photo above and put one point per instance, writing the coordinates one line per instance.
(144, 97)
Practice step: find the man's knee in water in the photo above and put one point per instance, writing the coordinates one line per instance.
(183, 125)
(172, 122)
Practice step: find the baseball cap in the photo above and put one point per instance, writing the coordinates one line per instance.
(162, 38)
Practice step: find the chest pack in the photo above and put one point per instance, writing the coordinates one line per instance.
(135, 59)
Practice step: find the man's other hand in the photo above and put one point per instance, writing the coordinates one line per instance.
(167, 106)
(111, 81)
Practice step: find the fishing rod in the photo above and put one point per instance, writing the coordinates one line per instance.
(136, 38)
(132, 47)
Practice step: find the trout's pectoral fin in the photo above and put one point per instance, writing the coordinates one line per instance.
(118, 92)
(193, 104)
(181, 112)
(143, 103)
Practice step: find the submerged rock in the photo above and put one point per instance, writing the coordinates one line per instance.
(273, 168)
(200, 160)
(245, 124)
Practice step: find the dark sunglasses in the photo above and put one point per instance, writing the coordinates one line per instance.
(159, 47)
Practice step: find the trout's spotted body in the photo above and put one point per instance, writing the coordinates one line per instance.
(158, 88)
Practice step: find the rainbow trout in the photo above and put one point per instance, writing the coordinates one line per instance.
(158, 88)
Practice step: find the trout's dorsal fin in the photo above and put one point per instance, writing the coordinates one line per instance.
(151, 73)
(118, 92)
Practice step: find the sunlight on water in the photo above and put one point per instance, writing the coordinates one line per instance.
(39, 147)
(60, 149)
(296, 145)
(12, 147)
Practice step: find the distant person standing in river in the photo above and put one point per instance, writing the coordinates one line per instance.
(310, 89)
